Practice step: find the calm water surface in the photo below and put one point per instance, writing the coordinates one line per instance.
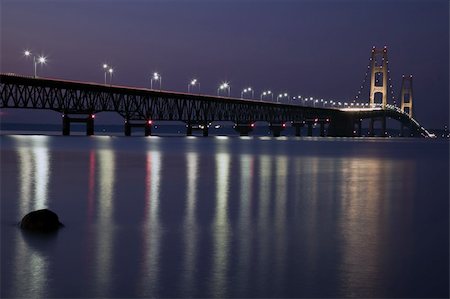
(226, 217)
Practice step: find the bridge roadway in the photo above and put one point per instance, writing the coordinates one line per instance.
(140, 107)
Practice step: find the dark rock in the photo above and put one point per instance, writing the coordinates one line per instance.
(41, 221)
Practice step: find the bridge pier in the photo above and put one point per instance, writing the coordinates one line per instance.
(341, 125)
(244, 128)
(358, 130)
(277, 128)
(372, 126)
(310, 128)
(298, 128)
(188, 129)
(67, 120)
(191, 126)
(322, 129)
(205, 130)
(147, 127)
(383, 126)
(402, 131)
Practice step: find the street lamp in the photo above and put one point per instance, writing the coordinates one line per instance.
(156, 77)
(41, 60)
(266, 93)
(107, 69)
(282, 95)
(193, 83)
(110, 71)
(224, 86)
(299, 98)
(248, 89)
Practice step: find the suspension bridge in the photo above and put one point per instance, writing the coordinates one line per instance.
(141, 107)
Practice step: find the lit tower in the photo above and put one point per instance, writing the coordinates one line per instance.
(407, 95)
(378, 81)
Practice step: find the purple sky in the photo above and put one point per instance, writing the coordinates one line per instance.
(309, 48)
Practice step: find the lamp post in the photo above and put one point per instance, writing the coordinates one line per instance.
(41, 60)
(282, 95)
(266, 93)
(246, 90)
(105, 69)
(193, 83)
(110, 71)
(224, 86)
(156, 77)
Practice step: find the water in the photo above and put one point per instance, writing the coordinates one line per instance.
(226, 217)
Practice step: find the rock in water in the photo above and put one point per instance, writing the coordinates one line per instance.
(41, 221)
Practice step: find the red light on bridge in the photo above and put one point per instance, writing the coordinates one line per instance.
(149, 122)
(283, 125)
(92, 116)
(252, 125)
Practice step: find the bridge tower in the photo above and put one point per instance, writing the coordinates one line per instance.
(407, 95)
(378, 78)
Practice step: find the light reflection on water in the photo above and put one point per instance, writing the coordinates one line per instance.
(190, 225)
(105, 222)
(33, 179)
(245, 222)
(151, 229)
(221, 227)
(240, 219)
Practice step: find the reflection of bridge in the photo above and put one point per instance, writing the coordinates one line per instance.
(140, 107)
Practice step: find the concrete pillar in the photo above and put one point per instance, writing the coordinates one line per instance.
(90, 125)
(322, 129)
(310, 128)
(383, 126)
(277, 129)
(127, 128)
(205, 130)
(65, 125)
(298, 128)
(188, 129)
(358, 130)
(371, 127)
(147, 128)
(243, 129)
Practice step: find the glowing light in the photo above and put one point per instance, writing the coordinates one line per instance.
(252, 125)
(42, 59)
(110, 70)
(27, 53)
(105, 66)
(149, 122)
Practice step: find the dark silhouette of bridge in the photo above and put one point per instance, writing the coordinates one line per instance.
(141, 107)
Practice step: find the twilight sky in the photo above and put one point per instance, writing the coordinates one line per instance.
(310, 48)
